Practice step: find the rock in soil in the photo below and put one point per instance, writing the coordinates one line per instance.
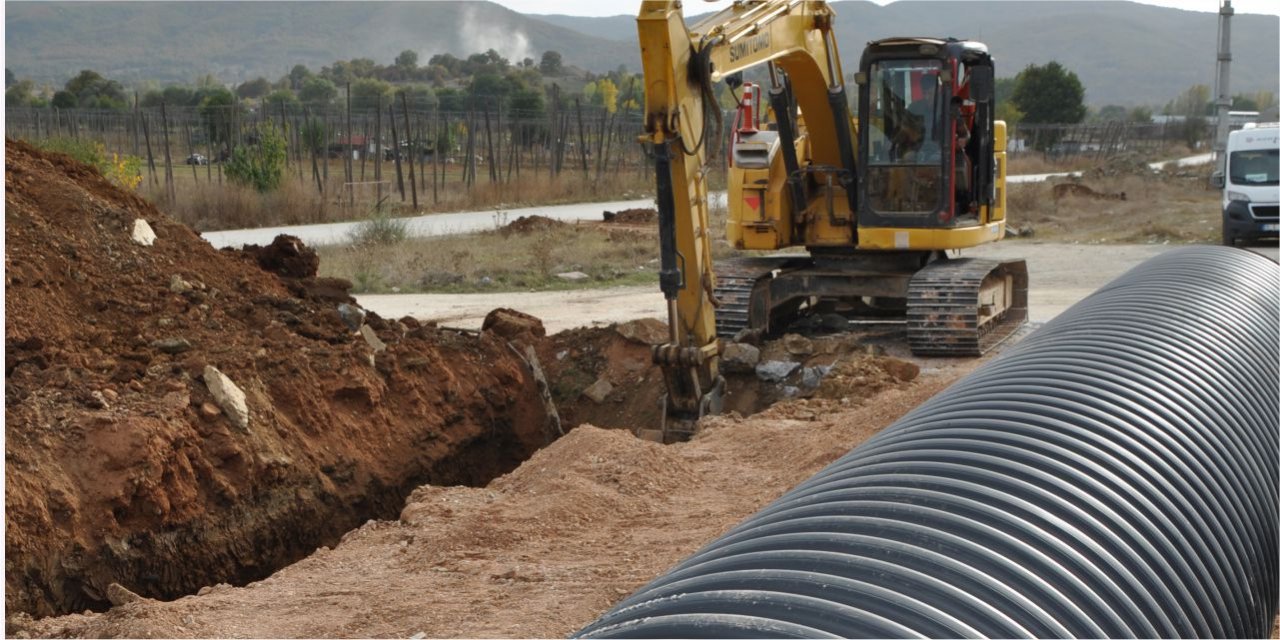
(740, 357)
(650, 331)
(512, 324)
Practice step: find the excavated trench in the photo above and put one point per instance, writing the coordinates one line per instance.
(128, 466)
(178, 417)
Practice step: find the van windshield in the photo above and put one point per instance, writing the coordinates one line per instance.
(1255, 167)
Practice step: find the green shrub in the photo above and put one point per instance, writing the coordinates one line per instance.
(260, 165)
(124, 171)
(380, 229)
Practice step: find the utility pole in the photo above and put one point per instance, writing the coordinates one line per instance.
(1223, 85)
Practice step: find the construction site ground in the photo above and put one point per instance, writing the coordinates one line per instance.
(389, 477)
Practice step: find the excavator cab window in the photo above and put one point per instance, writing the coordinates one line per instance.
(907, 136)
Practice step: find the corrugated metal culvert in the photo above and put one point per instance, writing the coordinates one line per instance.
(1115, 474)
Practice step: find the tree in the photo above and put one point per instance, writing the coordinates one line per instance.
(280, 96)
(317, 92)
(1265, 100)
(9, 78)
(552, 64)
(447, 61)
(362, 68)
(255, 88)
(64, 100)
(1242, 102)
(339, 74)
(297, 75)
(180, 95)
(607, 95)
(489, 87)
(1049, 95)
(451, 99)
(407, 60)
(218, 111)
(369, 94)
(1140, 115)
(488, 62)
(1194, 101)
(89, 90)
(260, 165)
(151, 98)
(1113, 112)
(420, 96)
(22, 94)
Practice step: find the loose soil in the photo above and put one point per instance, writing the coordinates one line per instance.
(525, 225)
(632, 216)
(539, 552)
(121, 466)
(127, 483)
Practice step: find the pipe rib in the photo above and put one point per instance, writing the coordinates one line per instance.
(1114, 475)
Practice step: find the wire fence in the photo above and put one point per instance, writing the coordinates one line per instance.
(1103, 139)
(415, 153)
(392, 148)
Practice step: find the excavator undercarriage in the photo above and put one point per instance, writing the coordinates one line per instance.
(950, 306)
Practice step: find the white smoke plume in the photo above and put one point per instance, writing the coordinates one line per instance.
(478, 37)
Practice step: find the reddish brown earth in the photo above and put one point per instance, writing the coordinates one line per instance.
(632, 216)
(539, 552)
(525, 225)
(126, 483)
(120, 467)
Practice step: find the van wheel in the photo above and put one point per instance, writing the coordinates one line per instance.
(1228, 240)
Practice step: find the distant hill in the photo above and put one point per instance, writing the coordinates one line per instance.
(619, 27)
(1125, 53)
(236, 41)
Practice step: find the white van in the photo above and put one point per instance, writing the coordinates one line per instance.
(1251, 186)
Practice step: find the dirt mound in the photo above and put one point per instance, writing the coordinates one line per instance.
(632, 216)
(286, 256)
(525, 225)
(856, 379)
(123, 466)
(539, 553)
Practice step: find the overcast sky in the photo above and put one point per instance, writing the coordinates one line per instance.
(609, 8)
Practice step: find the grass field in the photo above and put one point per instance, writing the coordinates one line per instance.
(206, 201)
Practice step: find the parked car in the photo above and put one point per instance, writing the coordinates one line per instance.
(196, 158)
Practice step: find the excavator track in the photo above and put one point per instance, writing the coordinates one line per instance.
(965, 306)
(735, 279)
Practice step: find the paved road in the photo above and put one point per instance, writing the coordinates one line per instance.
(1060, 275)
(437, 224)
(471, 221)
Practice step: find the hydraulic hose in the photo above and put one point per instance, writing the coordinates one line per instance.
(1113, 475)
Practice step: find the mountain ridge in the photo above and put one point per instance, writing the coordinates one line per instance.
(1124, 52)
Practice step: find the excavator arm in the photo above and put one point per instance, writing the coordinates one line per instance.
(680, 66)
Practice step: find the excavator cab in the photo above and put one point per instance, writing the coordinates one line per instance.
(927, 124)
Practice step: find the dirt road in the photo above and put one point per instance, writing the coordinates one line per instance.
(1061, 274)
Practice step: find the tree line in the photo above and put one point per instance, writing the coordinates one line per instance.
(445, 82)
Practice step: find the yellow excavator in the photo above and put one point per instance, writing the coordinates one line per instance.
(877, 203)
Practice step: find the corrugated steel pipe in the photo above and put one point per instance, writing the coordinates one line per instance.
(1115, 474)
